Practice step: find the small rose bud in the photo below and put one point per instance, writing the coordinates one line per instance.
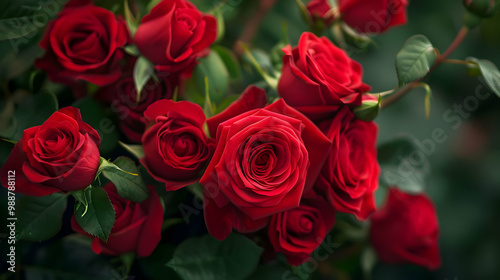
(369, 109)
(321, 12)
(481, 8)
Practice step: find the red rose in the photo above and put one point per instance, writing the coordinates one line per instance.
(263, 161)
(122, 96)
(62, 154)
(320, 10)
(374, 16)
(137, 226)
(298, 232)
(174, 34)
(318, 77)
(350, 175)
(84, 43)
(176, 149)
(406, 230)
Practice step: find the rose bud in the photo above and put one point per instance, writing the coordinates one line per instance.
(350, 175)
(176, 148)
(481, 8)
(84, 42)
(406, 230)
(320, 11)
(137, 226)
(318, 78)
(374, 16)
(62, 154)
(263, 161)
(174, 34)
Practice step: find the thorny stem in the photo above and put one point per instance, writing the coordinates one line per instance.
(442, 58)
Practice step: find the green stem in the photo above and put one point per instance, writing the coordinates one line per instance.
(441, 58)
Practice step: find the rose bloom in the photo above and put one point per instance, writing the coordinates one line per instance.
(298, 232)
(84, 42)
(176, 148)
(122, 96)
(374, 16)
(263, 161)
(318, 78)
(62, 154)
(320, 10)
(174, 34)
(406, 230)
(350, 175)
(137, 226)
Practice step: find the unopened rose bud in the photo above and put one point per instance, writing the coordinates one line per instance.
(321, 12)
(369, 109)
(481, 8)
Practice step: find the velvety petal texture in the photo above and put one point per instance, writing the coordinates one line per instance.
(174, 34)
(406, 230)
(137, 226)
(298, 232)
(350, 175)
(84, 42)
(263, 161)
(374, 16)
(318, 78)
(176, 148)
(60, 155)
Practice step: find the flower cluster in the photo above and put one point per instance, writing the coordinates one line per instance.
(279, 167)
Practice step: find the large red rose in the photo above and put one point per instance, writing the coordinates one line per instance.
(122, 96)
(298, 232)
(373, 16)
(137, 226)
(350, 175)
(176, 148)
(83, 43)
(406, 230)
(318, 78)
(174, 35)
(263, 161)
(62, 154)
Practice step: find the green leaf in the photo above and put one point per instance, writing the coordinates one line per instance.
(230, 61)
(490, 74)
(132, 50)
(207, 258)
(262, 63)
(101, 120)
(130, 187)
(214, 68)
(415, 59)
(143, 71)
(23, 19)
(41, 105)
(368, 261)
(404, 164)
(40, 218)
(100, 215)
(131, 21)
(136, 150)
(218, 14)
